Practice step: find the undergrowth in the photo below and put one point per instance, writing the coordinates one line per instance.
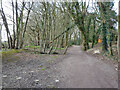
(10, 52)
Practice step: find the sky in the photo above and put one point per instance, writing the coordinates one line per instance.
(8, 11)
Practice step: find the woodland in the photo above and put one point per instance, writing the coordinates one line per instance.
(59, 44)
(49, 25)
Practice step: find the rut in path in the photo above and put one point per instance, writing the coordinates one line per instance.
(83, 71)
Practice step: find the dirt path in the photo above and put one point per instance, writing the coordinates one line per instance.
(83, 71)
(76, 69)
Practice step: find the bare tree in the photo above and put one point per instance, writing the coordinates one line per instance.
(6, 26)
(26, 22)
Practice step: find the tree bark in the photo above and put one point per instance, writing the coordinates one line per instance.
(119, 31)
(13, 26)
(0, 36)
(87, 33)
(38, 36)
(21, 25)
(104, 39)
(17, 44)
(93, 38)
(110, 42)
(66, 42)
(102, 9)
(85, 43)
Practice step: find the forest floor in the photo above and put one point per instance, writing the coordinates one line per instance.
(76, 69)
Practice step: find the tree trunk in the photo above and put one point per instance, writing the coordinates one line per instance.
(119, 31)
(66, 49)
(104, 39)
(41, 42)
(21, 21)
(57, 44)
(102, 9)
(38, 36)
(23, 35)
(87, 33)
(0, 37)
(110, 47)
(93, 38)
(6, 26)
(17, 44)
(85, 43)
(62, 42)
(13, 26)
(110, 39)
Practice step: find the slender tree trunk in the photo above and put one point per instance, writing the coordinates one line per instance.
(0, 37)
(93, 38)
(104, 39)
(54, 20)
(62, 42)
(57, 43)
(66, 43)
(110, 43)
(66, 49)
(23, 35)
(21, 25)
(38, 36)
(87, 33)
(50, 25)
(13, 26)
(6, 26)
(17, 44)
(51, 48)
(44, 29)
(41, 42)
(119, 31)
(42, 36)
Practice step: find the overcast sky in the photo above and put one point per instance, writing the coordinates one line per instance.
(8, 11)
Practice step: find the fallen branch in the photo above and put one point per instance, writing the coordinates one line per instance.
(69, 28)
(66, 49)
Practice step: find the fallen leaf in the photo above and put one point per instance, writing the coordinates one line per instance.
(18, 78)
(36, 80)
(4, 76)
(31, 71)
(56, 81)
